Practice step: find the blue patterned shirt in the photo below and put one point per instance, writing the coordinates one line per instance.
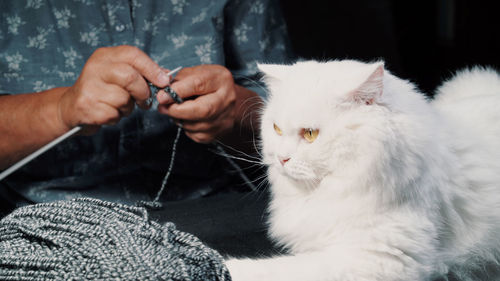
(45, 43)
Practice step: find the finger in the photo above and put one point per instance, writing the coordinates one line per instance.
(128, 108)
(198, 127)
(142, 63)
(131, 80)
(102, 114)
(196, 81)
(189, 110)
(202, 108)
(164, 98)
(214, 128)
(203, 137)
(115, 96)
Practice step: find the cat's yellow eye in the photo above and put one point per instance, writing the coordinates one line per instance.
(310, 135)
(277, 130)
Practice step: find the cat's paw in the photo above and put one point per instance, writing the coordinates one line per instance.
(236, 269)
(245, 270)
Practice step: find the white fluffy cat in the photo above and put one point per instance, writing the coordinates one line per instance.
(372, 181)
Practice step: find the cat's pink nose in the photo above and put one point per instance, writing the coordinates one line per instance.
(283, 160)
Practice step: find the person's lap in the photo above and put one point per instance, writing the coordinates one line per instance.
(232, 223)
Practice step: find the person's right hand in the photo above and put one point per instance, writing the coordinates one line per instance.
(112, 80)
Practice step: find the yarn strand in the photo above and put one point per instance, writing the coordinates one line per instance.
(170, 166)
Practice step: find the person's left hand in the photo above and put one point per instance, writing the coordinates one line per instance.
(210, 107)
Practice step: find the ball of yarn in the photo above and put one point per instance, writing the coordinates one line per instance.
(89, 239)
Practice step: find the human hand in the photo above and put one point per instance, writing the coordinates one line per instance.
(213, 108)
(112, 80)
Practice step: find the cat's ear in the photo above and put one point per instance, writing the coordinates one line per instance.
(273, 71)
(372, 88)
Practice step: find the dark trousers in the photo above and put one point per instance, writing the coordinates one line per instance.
(233, 223)
(7, 197)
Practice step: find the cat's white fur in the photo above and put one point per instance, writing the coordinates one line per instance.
(395, 187)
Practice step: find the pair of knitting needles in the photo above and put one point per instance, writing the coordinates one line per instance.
(76, 129)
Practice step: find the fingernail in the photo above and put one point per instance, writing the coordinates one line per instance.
(163, 98)
(164, 79)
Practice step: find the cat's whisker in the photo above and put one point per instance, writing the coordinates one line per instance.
(257, 146)
(262, 177)
(240, 158)
(236, 157)
(263, 182)
(250, 157)
(252, 81)
(247, 115)
(254, 162)
(255, 102)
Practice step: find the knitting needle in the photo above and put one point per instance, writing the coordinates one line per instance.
(53, 143)
(155, 90)
(35, 154)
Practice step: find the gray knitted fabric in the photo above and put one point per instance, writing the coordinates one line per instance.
(89, 239)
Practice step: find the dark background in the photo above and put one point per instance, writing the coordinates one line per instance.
(423, 41)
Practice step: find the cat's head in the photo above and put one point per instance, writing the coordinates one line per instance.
(320, 117)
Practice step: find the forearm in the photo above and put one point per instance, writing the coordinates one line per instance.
(27, 122)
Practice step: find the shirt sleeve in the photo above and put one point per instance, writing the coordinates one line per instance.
(254, 32)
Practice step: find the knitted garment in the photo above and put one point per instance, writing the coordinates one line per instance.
(89, 239)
